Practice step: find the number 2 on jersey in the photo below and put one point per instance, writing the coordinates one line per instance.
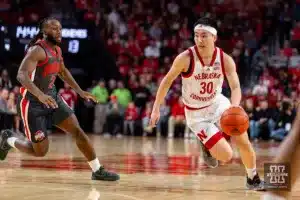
(206, 87)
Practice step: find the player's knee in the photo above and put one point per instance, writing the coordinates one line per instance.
(222, 151)
(226, 155)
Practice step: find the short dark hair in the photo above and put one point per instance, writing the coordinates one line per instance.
(206, 21)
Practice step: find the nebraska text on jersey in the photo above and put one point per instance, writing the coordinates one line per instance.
(202, 83)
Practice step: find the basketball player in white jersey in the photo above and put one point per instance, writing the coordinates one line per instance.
(203, 69)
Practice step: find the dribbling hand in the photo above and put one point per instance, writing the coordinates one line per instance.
(155, 115)
(48, 101)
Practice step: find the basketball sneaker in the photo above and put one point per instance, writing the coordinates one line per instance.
(255, 184)
(104, 175)
(207, 157)
(4, 146)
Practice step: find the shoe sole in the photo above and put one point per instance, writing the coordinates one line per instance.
(97, 179)
(213, 166)
(250, 187)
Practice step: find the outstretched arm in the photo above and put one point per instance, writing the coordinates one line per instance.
(65, 75)
(233, 80)
(180, 63)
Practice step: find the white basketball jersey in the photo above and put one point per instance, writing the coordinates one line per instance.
(201, 84)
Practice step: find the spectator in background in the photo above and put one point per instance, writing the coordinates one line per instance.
(114, 118)
(5, 81)
(123, 94)
(142, 95)
(286, 24)
(12, 108)
(16, 90)
(155, 31)
(101, 94)
(260, 89)
(250, 109)
(4, 99)
(145, 119)
(177, 118)
(112, 85)
(259, 62)
(263, 121)
(284, 122)
(164, 116)
(11, 103)
(152, 50)
(131, 115)
(69, 95)
(287, 50)
(295, 33)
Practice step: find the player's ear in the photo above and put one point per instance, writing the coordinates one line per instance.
(215, 38)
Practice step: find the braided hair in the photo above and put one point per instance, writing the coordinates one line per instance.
(40, 34)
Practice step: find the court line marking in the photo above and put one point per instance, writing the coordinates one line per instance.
(69, 189)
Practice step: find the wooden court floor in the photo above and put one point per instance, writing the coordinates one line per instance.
(150, 169)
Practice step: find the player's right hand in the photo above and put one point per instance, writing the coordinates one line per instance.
(155, 115)
(48, 101)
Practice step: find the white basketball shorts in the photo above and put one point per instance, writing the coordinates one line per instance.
(205, 122)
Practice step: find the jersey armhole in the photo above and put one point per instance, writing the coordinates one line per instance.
(58, 49)
(41, 63)
(190, 70)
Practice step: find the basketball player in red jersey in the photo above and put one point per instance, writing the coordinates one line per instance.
(40, 102)
(203, 69)
(289, 152)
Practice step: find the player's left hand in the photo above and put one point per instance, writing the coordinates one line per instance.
(88, 96)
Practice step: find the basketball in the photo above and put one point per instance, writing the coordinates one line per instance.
(234, 121)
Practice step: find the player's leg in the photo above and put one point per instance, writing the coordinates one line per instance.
(194, 122)
(248, 157)
(65, 119)
(214, 142)
(245, 148)
(289, 151)
(37, 143)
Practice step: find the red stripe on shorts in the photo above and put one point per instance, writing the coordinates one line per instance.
(213, 140)
(24, 113)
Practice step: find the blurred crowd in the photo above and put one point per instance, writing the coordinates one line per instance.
(144, 36)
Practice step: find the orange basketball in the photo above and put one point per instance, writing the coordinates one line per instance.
(234, 121)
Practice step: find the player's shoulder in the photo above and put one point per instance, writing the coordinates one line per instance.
(227, 59)
(184, 56)
(36, 51)
(224, 54)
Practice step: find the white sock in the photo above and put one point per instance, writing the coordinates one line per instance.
(269, 196)
(251, 173)
(95, 164)
(11, 141)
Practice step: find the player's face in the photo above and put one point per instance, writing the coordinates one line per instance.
(204, 39)
(53, 31)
